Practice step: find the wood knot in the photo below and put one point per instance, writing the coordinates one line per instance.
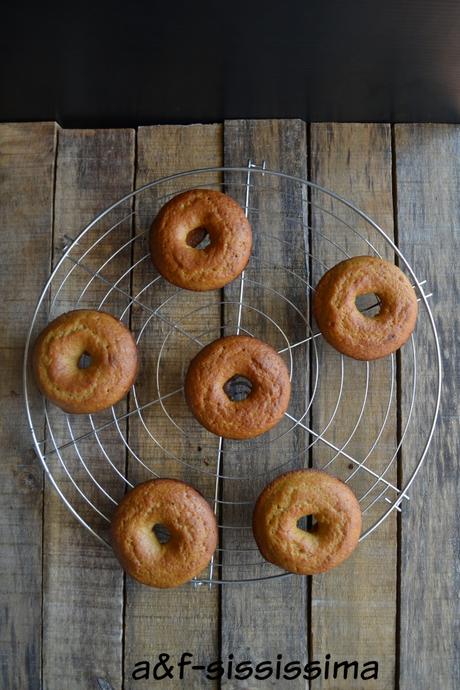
(29, 480)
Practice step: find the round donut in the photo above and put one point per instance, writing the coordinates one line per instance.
(224, 359)
(187, 516)
(181, 225)
(350, 331)
(113, 361)
(297, 494)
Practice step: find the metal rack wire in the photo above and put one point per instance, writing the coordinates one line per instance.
(92, 460)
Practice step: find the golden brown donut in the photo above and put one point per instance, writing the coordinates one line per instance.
(188, 518)
(218, 363)
(182, 223)
(112, 369)
(297, 494)
(347, 329)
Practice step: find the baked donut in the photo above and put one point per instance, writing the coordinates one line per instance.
(108, 377)
(182, 224)
(216, 365)
(350, 331)
(185, 514)
(297, 494)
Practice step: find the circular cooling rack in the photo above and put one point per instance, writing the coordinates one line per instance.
(366, 422)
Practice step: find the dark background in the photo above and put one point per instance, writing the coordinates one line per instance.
(92, 64)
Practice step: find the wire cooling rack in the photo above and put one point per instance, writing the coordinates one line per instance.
(351, 418)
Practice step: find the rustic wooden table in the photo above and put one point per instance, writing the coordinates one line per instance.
(68, 618)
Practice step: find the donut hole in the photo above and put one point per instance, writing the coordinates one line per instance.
(307, 523)
(162, 533)
(85, 361)
(368, 304)
(198, 238)
(238, 388)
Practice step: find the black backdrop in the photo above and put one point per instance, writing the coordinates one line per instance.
(143, 62)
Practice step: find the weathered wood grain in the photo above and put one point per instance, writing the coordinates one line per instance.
(83, 584)
(183, 620)
(262, 620)
(428, 193)
(354, 607)
(27, 159)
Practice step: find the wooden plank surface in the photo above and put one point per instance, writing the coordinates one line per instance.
(428, 193)
(83, 598)
(260, 622)
(354, 607)
(353, 614)
(27, 160)
(184, 620)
